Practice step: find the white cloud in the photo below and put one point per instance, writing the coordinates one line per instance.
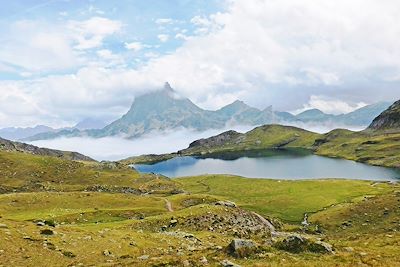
(109, 57)
(330, 105)
(163, 37)
(91, 33)
(37, 47)
(135, 46)
(262, 51)
(181, 36)
(164, 21)
(113, 148)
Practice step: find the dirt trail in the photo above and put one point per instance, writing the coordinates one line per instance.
(168, 205)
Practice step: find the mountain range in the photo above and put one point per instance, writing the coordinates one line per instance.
(19, 133)
(164, 109)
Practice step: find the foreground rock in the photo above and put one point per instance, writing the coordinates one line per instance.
(226, 203)
(241, 248)
(226, 263)
(298, 244)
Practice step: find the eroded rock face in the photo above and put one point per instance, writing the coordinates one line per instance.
(388, 120)
(235, 222)
(299, 244)
(241, 248)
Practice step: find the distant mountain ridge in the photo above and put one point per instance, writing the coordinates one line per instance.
(164, 109)
(14, 133)
(45, 132)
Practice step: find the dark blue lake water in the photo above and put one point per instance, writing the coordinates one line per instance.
(274, 164)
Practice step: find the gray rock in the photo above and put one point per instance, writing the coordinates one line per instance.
(68, 254)
(46, 232)
(143, 257)
(173, 223)
(226, 203)
(320, 247)
(227, 263)
(298, 244)
(203, 260)
(241, 248)
(107, 253)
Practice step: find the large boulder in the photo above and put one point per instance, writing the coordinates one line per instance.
(241, 248)
(298, 244)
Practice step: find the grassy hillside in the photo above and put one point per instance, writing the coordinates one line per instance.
(25, 172)
(286, 200)
(375, 148)
(59, 212)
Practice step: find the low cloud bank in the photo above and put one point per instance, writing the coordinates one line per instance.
(115, 148)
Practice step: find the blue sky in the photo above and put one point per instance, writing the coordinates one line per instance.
(65, 60)
(151, 25)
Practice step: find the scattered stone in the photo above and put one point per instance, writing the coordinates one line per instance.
(27, 237)
(40, 223)
(68, 254)
(143, 257)
(50, 223)
(173, 222)
(186, 263)
(349, 249)
(226, 263)
(107, 253)
(203, 260)
(241, 248)
(3, 226)
(46, 232)
(132, 243)
(226, 203)
(125, 257)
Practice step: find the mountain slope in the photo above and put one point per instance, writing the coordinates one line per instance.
(388, 120)
(10, 146)
(314, 115)
(161, 110)
(363, 116)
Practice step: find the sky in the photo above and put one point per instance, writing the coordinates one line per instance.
(62, 61)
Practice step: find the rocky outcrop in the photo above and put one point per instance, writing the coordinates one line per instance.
(241, 248)
(217, 140)
(7, 145)
(299, 244)
(388, 120)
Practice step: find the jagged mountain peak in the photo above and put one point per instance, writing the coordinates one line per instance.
(168, 87)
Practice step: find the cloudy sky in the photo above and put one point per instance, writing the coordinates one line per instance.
(65, 60)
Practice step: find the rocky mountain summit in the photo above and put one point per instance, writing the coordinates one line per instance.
(388, 120)
(163, 110)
